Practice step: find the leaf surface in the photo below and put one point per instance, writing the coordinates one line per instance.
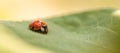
(95, 31)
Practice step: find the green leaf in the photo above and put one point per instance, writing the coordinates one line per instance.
(96, 31)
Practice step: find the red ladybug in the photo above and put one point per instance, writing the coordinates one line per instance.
(38, 26)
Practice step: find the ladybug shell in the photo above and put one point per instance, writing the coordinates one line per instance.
(36, 25)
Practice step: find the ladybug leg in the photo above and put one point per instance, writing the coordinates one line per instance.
(31, 28)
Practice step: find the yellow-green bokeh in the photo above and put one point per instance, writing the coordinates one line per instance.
(29, 9)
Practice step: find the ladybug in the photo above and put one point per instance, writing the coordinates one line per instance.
(38, 26)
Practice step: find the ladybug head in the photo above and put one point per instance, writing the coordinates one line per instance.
(44, 29)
